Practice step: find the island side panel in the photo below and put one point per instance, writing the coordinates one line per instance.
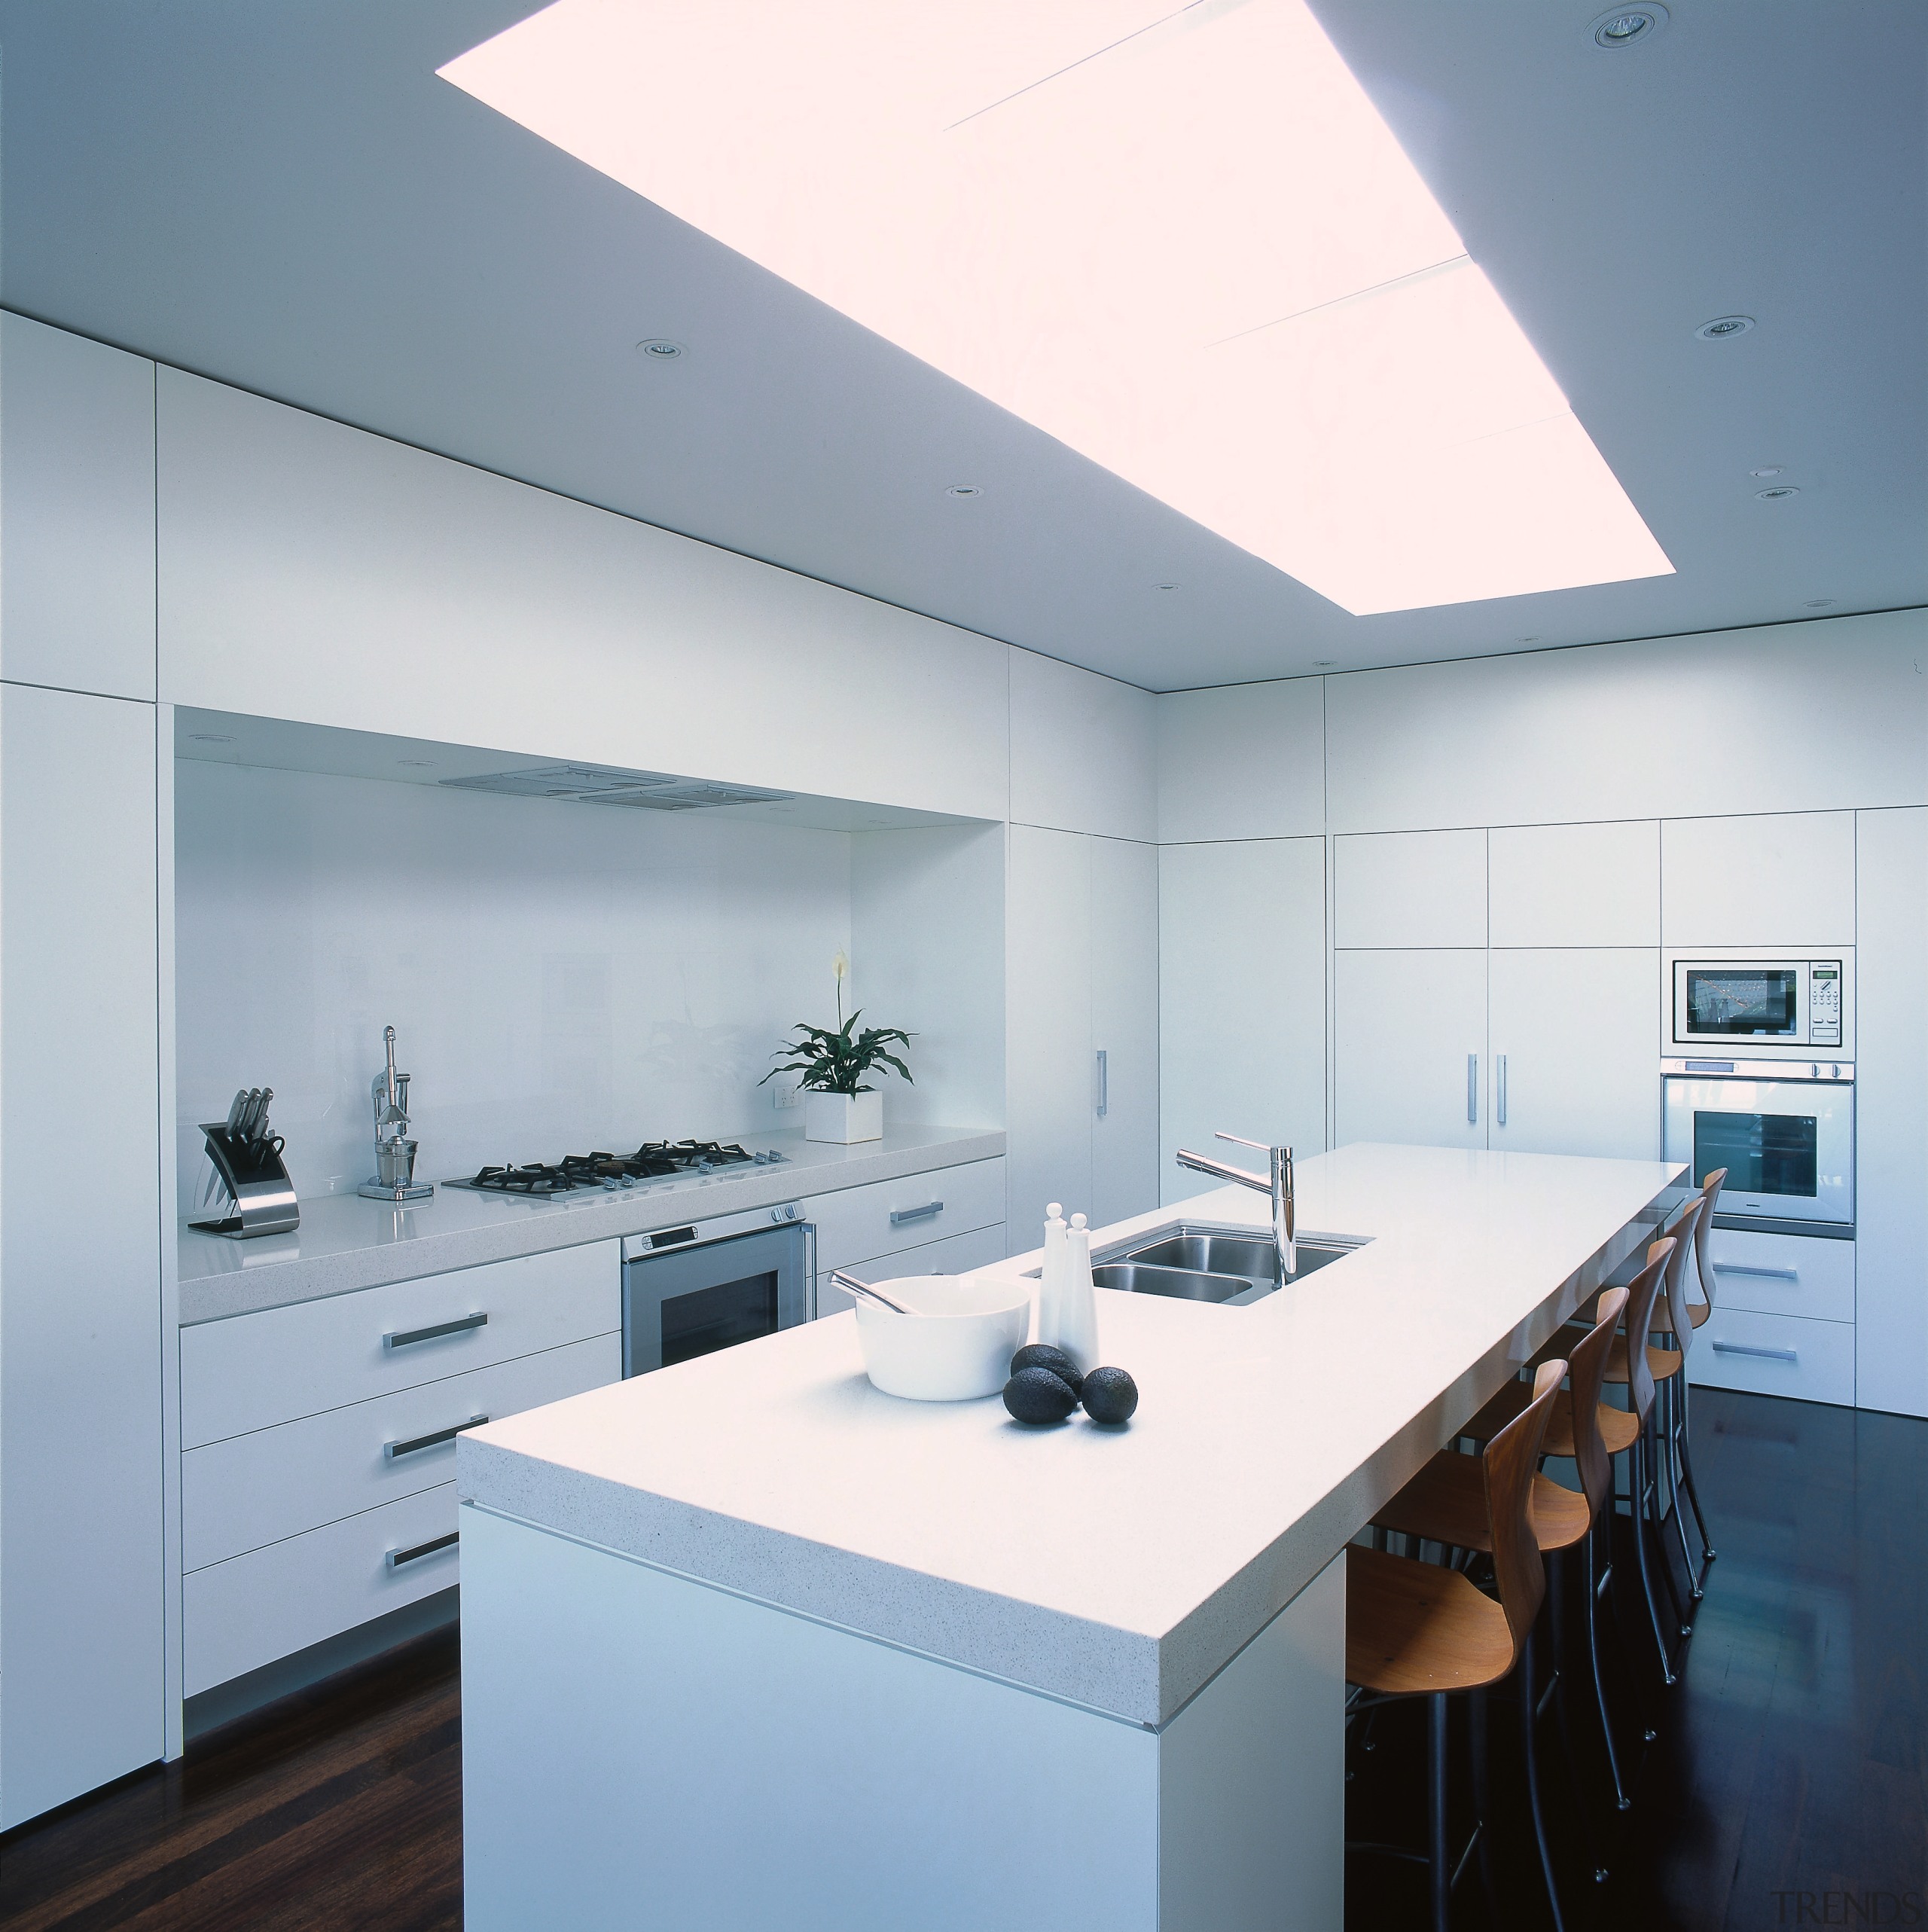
(1251, 1798)
(642, 1751)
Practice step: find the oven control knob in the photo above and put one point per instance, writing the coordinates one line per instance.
(789, 1211)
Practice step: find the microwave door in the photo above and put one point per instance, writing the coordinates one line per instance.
(1743, 1001)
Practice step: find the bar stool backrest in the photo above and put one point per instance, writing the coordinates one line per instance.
(1703, 1232)
(1675, 1277)
(1587, 1368)
(1511, 1460)
(1642, 1291)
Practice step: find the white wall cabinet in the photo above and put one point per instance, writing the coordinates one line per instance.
(1077, 915)
(1409, 1046)
(81, 1686)
(76, 572)
(1410, 889)
(1242, 999)
(1575, 885)
(1570, 1052)
(1891, 1103)
(1773, 879)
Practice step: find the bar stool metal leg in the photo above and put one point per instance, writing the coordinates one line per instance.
(1439, 1854)
(1529, 1724)
(1636, 1464)
(1595, 1583)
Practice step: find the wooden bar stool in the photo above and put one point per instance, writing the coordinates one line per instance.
(1642, 1369)
(1584, 1429)
(1679, 1432)
(1416, 1629)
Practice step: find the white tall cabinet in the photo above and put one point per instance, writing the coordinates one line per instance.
(1242, 999)
(82, 1679)
(1081, 981)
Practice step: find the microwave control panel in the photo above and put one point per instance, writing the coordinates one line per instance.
(1824, 1003)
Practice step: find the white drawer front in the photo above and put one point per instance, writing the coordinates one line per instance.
(241, 1614)
(243, 1492)
(957, 1255)
(1776, 1355)
(1783, 1274)
(252, 1372)
(860, 1223)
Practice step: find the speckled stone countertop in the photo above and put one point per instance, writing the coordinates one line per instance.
(1118, 1570)
(345, 1243)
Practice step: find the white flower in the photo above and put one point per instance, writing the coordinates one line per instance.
(839, 966)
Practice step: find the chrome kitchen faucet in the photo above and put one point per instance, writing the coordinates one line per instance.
(1278, 1185)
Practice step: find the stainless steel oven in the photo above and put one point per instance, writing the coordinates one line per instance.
(706, 1285)
(1726, 1002)
(1783, 1130)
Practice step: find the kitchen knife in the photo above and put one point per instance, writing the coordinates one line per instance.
(235, 1112)
(246, 1129)
(258, 1128)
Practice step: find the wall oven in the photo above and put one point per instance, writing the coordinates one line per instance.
(1781, 1002)
(689, 1290)
(1784, 1130)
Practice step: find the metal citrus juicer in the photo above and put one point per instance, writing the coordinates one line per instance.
(394, 1178)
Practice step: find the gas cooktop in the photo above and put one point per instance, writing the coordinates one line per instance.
(655, 1160)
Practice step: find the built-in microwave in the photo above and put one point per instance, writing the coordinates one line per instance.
(1783, 1131)
(1742, 1002)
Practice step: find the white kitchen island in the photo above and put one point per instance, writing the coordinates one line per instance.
(747, 1643)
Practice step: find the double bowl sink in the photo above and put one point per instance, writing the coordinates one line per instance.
(1190, 1262)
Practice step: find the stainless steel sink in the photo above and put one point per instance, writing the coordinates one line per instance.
(1192, 1262)
(1183, 1284)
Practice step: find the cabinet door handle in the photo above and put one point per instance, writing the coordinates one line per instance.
(1499, 1074)
(1769, 1354)
(1766, 1274)
(407, 1337)
(898, 1216)
(1104, 1084)
(390, 1450)
(397, 1557)
(1472, 1089)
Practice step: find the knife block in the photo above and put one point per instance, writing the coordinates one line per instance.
(261, 1196)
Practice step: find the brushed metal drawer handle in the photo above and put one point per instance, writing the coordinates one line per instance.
(900, 1215)
(397, 1557)
(407, 1338)
(390, 1450)
(1768, 1354)
(1766, 1273)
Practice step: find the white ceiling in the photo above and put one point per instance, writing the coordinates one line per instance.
(285, 197)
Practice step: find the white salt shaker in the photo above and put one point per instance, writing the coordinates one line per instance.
(1051, 1286)
(1078, 1320)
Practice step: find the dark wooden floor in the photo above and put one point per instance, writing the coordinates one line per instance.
(1790, 1772)
(1791, 1759)
(341, 1807)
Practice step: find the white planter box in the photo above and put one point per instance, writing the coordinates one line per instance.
(844, 1117)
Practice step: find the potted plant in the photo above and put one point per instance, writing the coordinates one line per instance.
(837, 1105)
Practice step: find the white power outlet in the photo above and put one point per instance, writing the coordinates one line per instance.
(786, 1096)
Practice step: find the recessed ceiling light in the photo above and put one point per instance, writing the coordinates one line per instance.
(1778, 493)
(659, 348)
(1820, 603)
(1323, 663)
(418, 764)
(210, 738)
(1533, 639)
(1165, 584)
(1258, 266)
(964, 490)
(1770, 469)
(1723, 329)
(1626, 25)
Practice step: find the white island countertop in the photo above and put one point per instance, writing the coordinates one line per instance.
(345, 1243)
(1117, 1570)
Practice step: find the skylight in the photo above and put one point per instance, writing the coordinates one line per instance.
(1182, 242)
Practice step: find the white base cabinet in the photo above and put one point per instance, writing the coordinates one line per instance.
(299, 1518)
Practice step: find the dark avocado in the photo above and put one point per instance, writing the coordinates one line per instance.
(1042, 1355)
(1110, 1395)
(1036, 1395)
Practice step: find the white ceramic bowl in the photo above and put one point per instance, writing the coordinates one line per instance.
(957, 1346)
